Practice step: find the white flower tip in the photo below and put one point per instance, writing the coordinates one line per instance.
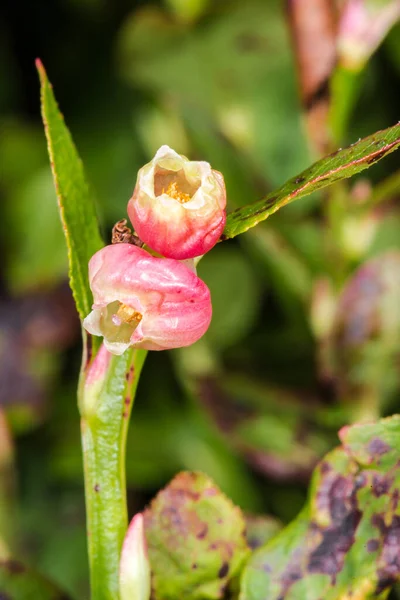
(166, 152)
(134, 571)
(116, 348)
(92, 323)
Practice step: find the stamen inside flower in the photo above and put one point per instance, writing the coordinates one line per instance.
(118, 321)
(127, 314)
(176, 193)
(175, 184)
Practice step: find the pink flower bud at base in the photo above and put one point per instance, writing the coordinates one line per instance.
(178, 206)
(134, 570)
(145, 302)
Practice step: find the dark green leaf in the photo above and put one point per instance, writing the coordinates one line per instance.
(345, 544)
(196, 539)
(335, 167)
(76, 204)
(19, 583)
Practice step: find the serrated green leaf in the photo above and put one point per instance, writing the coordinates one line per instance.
(76, 203)
(196, 539)
(335, 167)
(19, 583)
(346, 542)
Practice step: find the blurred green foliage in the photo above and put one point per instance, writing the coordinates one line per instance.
(260, 398)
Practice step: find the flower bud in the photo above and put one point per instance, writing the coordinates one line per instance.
(178, 206)
(363, 26)
(145, 302)
(134, 570)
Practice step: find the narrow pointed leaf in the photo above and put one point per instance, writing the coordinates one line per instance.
(76, 204)
(335, 167)
(346, 542)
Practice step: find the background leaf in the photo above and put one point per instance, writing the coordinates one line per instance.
(229, 274)
(365, 338)
(19, 583)
(196, 539)
(335, 167)
(76, 203)
(231, 83)
(346, 541)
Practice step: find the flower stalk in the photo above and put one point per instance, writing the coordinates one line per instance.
(106, 395)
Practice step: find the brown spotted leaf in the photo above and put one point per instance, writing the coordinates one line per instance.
(335, 167)
(196, 539)
(19, 583)
(345, 544)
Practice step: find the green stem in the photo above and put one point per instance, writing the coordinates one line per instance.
(345, 86)
(106, 394)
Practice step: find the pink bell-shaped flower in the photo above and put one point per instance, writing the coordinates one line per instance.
(178, 205)
(145, 302)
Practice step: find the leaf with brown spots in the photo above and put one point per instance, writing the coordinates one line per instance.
(345, 544)
(196, 539)
(340, 165)
(19, 583)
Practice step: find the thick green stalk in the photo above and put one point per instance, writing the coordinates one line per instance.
(106, 394)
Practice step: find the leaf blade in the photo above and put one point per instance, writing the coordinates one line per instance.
(335, 167)
(16, 581)
(346, 540)
(196, 539)
(76, 204)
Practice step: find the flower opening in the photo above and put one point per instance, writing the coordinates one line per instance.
(178, 206)
(119, 321)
